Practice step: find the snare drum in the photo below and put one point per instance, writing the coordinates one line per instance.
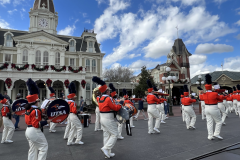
(127, 111)
(85, 119)
(132, 110)
(18, 106)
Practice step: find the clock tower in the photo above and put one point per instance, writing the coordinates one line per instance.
(43, 17)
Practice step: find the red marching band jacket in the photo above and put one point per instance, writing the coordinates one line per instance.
(238, 97)
(107, 104)
(127, 101)
(152, 99)
(234, 96)
(229, 98)
(186, 101)
(33, 118)
(201, 97)
(222, 97)
(5, 110)
(211, 98)
(73, 107)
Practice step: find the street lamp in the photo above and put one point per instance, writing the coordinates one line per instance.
(199, 82)
(168, 78)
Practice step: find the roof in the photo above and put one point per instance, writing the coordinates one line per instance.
(217, 74)
(179, 47)
(38, 4)
(62, 37)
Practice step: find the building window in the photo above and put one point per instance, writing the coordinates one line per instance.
(25, 57)
(45, 58)
(94, 85)
(9, 40)
(8, 58)
(57, 59)
(72, 62)
(72, 46)
(90, 47)
(38, 58)
(88, 91)
(88, 65)
(93, 65)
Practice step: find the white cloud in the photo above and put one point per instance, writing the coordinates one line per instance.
(12, 11)
(84, 14)
(17, 2)
(134, 55)
(87, 21)
(69, 30)
(209, 48)
(153, 32)
(4, 24)
(115, 65)
(219, 1)
(216, 40)
(2, 2)
(238, 22)
(238, 36)
(23, 10)
(183, 2)
(137, 65)
(100, 1)
(196, 59)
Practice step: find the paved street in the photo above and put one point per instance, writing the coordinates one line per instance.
(174, 142)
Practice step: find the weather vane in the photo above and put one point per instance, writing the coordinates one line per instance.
(177, 31)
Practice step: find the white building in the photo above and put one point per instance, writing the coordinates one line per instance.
(43, 47)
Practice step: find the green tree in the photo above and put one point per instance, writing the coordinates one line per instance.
(140, 89)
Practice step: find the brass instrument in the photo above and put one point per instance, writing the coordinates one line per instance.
(95, 94)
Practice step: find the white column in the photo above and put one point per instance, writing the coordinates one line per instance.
(80, 60)
(19, 56)
(90, 65)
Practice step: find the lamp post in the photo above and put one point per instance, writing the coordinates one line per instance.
(200, 82)
(168, 78)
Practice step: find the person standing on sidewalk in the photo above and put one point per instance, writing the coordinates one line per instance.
(140, 109)
(81, 104)
(17, 117)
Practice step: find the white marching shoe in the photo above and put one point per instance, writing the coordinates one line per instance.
(132, 126)
(155, 129)
(151, 132)
(52, 131)
(79, 142)
(211, 138)
(70, 143)
(163, 122)
(219, 137)
(105, 152)
(8, 141)
(120, 137)
(192, 127)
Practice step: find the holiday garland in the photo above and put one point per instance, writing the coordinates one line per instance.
(83, 83)
(49, 82)
(66, 83)
(180, 81)
(40, 69)
(58, 70)
(8, 81)
(5, 65)
(75, 71)
(20, 68)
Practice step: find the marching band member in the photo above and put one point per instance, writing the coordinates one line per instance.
(222, 108)
(202, 103)
(52, 97)
(126, 100)
(238, 99)
(97, 112)
(114, 96)
(190, 116)
(235, 94)
(160, 105)
(153, 112)
(229, 100)
(36, 139)
(76, 125)
(9, 128)
(107, 108)
(211, 110)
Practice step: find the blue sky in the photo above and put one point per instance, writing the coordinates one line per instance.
(134, 33)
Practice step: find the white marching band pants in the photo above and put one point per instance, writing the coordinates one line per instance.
(110, 130)
(223, 111)
(238, 107)
(52, 126)
(97, 122)
(8, 129)
(213, 114)
(235, 106)
(76, 126)
(67, 129)
(37, 143)
(153, 112)
(131, 121)
(226, 106)
(190, 116)
(203, 110)
(160, 108)
(120, 126)
(230, 106)
(183, 113)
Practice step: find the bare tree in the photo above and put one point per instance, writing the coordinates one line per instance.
(118, 74)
